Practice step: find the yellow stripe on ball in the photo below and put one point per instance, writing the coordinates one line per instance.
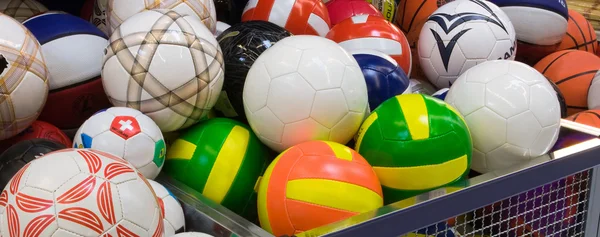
(340, 151)
(422, 177)
(181, 149)
(227, 164)
(365, 126)
(415, 114)
(350, 197)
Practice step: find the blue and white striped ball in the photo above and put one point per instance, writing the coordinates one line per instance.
(73, 48)
(384, 78)
(537, 22)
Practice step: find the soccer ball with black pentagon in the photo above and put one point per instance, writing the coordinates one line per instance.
(241, 45)
(18, 155)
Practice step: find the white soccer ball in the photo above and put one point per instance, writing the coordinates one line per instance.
(174, 219)
(23, 77)
(99, 15)
(126, 133)
(512, 111)
(462, 34)
(79, 192)
(304, 88)
(167, 65)
(119, 11)
(21, 9)
(192, 234)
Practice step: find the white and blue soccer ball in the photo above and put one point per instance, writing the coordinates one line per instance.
(172, 212)
(384, 78)
(126, 133)
(462, 34)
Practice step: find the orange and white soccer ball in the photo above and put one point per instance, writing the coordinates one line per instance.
(376, 33)
(21, 9)
(119, 10)
(79, 192)
(300, 17)
(23, 77)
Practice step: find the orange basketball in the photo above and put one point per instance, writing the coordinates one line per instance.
(588, 117)
(580, 34)
(410, 17)
(572, 71)
(313, 184)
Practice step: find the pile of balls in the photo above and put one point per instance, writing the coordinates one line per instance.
(291, 113)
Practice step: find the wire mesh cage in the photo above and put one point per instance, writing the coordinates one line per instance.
(558, 208)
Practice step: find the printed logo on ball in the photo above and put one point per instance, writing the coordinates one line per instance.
(449, 22)
(125, 126)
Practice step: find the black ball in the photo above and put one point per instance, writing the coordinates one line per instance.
(18, 155)
(241, 44)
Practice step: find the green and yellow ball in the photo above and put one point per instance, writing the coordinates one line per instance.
(222, 159)
(415, 143)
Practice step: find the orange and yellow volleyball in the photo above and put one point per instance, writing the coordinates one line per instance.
(313, 184)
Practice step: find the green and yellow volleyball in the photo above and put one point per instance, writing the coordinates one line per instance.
(415, 143)
(222, 159)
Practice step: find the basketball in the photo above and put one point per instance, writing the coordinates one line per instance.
(572, 71)
(313, 184)
(588, 117)
(580, 34)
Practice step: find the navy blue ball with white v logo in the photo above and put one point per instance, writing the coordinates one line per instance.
(385, 79)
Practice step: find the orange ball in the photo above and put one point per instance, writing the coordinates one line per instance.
(580, 34)
(376, 33)
(572, 71)
(300, 17)
(313, 184)
(588, 117)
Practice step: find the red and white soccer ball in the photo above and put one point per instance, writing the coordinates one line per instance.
(173, 217)
(300, 17)
(126, 133)
(79, 192)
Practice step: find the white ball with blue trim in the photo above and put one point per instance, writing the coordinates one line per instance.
(462, 34)
(538, 22)
(173, 217)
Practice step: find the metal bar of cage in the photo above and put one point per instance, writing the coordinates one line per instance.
(423, 210)
(398, 219)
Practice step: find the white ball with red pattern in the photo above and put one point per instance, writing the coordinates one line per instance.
(79, 192)
(126, 133)
(300, 17)
(173, 217)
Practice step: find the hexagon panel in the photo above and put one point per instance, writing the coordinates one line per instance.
(290, 97)
(280, 60)
(302, 131)
(321, 72)
(506, 156)
(266, 125)
(329, 107)
(354, 88)
(256, 87)
(544, 104)
(523, 129)
(466, 97)
(482, 123)
(507, 96)
(478, 41)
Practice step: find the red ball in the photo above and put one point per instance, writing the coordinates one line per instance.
(38, 129)
(340, 10)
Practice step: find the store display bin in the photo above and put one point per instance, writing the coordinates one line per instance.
(553, 195)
